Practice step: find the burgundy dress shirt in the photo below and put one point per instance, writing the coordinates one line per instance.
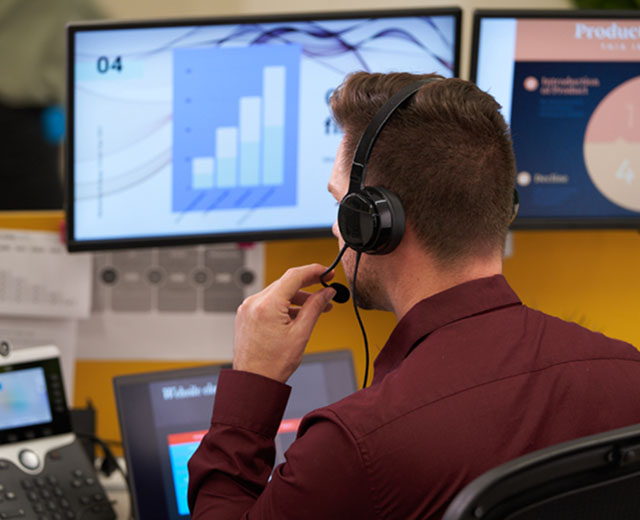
(469, 379)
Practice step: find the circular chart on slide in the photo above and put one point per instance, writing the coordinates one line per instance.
(612, 145)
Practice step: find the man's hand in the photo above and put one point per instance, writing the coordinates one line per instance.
(273, 327)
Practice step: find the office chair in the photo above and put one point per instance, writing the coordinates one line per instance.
(595, 477)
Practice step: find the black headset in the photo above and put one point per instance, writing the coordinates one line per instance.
(371, 218)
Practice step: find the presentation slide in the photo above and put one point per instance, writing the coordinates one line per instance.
(570, 89)
(226, 129)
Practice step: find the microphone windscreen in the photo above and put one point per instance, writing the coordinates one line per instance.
(342, 293)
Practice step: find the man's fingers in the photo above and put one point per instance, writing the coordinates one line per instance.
(329, 276)
(309, 313)
(300, 297)
(293, 312)
(328, 306)
(298, 277)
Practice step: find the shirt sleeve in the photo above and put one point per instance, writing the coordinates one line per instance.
(229, 474)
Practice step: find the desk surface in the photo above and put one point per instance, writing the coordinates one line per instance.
(117, 492)
(120, 503)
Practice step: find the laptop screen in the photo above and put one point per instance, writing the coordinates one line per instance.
(164, 415)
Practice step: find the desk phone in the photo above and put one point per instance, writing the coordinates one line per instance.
(44, 472)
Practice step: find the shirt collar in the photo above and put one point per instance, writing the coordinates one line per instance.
(430, 314)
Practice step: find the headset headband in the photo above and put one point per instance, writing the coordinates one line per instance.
(371, 133)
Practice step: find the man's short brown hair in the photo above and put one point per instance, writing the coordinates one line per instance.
(446, 153)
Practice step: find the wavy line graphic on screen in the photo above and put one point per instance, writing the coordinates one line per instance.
(130, 137)
(110, 161)
(334, 43)
(612, 145)
(320, 40)
(112, 158)
(106, 186)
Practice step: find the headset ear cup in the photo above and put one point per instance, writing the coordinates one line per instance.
(390, 220)
(357, 221)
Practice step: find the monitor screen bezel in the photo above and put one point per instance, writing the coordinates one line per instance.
(542, 223)
(72, 29)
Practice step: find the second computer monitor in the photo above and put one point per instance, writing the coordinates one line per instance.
(569, 85)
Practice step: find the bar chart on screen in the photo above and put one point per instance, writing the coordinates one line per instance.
(235, 134)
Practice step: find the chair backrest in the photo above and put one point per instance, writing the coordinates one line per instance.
(595, 477)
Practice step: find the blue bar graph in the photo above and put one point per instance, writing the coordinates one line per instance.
(250, 122)
(235, 111)
(202, 171)
(274, 81)
(227, 155)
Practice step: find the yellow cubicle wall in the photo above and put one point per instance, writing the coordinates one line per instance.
(591, 277)
(32, 220)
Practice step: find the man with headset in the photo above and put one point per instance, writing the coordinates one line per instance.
(468, 379)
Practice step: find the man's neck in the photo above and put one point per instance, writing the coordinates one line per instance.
(421, 277)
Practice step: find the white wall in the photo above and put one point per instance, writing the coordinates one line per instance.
(169, 8)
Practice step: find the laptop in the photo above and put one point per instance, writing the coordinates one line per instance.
(164, 415)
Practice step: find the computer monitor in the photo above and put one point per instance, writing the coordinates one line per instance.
(191, 131)
(569, 85)
(164, 415)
